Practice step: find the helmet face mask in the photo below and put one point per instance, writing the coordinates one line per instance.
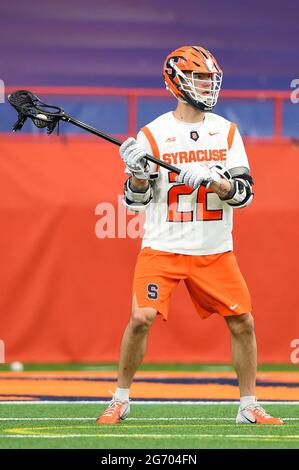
(193, 76)
(202, 91)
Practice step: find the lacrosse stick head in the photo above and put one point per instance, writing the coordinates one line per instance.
(30, 106)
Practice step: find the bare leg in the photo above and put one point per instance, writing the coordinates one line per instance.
(134, 342)
(132, 350)
(244, 353)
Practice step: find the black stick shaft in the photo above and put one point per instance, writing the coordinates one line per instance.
(115, 141)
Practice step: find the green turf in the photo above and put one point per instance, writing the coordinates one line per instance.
(141, 430)
(109, 366)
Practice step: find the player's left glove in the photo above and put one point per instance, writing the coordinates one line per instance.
(218, 172)
(202, 175)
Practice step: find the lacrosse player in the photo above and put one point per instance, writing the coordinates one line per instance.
(188, 229)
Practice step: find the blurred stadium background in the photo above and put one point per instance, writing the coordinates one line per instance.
(65, 293)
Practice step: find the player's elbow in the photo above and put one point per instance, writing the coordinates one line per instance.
(241, 194)
(137, 199)
(245, 203)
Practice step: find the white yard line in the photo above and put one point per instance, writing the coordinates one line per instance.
(260, 437)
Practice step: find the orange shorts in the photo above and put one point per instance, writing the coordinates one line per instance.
(214, 282)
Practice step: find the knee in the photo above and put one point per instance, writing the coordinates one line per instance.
(241, 325)
(142, 318)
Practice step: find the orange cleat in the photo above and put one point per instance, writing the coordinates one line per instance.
(255, 414)
(116, 411)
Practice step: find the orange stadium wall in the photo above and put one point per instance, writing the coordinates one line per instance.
(66, 293)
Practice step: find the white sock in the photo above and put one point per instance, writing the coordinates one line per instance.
(245, 401)
(121, 394)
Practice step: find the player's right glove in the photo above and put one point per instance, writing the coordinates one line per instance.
(133, 155)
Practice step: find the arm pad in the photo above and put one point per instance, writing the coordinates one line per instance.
(137, 199)
(241, 193)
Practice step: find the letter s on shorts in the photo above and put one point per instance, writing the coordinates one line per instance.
(152, 291)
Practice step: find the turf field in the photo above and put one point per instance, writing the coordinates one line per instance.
(173, 407)
(152, 426)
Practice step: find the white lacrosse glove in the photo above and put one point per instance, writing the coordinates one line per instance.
(202, 175)
(133, 155)
(195, 176)
(218, 172)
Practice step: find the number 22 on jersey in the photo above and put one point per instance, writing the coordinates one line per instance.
(199, 213)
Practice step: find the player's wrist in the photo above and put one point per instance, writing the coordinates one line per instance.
(138, 184)
(222, 188)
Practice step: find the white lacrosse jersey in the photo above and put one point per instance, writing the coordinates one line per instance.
(181, 219)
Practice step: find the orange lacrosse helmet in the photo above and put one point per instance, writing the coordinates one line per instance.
(182, 74)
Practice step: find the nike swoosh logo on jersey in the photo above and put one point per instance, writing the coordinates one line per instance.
(232, 307)
(213, 133)
(171, 139)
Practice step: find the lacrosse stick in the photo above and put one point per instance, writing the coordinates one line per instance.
(47, 116)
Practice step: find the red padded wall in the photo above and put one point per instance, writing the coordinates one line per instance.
(66, 294)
